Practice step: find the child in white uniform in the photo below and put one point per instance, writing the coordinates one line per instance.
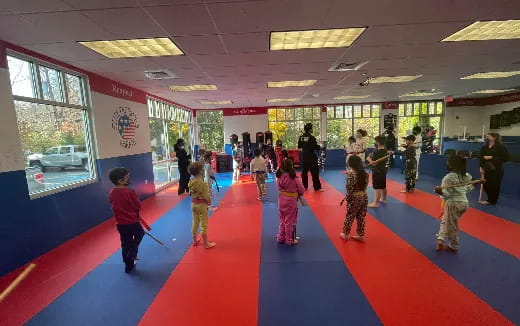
(259, 168)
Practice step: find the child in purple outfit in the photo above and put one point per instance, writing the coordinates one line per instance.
(290, 188)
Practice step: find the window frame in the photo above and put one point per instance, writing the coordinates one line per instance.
(86, 108)
(404, 106)
(296, 118)
(352, 116)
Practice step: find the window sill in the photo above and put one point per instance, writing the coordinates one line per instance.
(70, 186)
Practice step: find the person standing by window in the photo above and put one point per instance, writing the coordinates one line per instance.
(492, 157)
(418, 144)
(183, 161)
(361, 141)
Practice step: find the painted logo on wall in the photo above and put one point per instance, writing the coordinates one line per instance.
(124, 121)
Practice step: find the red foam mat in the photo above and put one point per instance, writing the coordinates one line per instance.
(496, 231)
(218, 286)
(401, 284)
(59, 269)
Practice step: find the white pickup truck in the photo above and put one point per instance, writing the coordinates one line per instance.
(61, 157)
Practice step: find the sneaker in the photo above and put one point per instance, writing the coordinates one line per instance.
(358, 238)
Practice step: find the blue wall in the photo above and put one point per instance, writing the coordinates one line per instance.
(29, 228)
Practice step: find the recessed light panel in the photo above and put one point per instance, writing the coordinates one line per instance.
(148, 47)
(497, 74)
(488, 30)
(493, 91)
(314, 39)
(276, 100)
(393, 79)
(417, 94)
(350, 97)
(216, 102)
(192, 88)
(291, 83)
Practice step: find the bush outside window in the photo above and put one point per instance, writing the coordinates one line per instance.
(211, 130)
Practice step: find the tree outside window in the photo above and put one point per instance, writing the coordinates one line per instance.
(211, 130)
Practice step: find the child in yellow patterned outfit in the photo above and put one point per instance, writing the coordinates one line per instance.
(200, 200)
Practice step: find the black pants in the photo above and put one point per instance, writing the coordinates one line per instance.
(492, 185)
(312, 165)
(183, 180)
(131, 236)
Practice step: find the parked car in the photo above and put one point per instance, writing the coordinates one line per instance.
(61, 157)
(35, 179)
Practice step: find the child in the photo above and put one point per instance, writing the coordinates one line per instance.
(410, 164)
(455, 202)
(259, 168)
(378, 171)
(237, 162)
(209, 176)
(201, 155)
(200, 200)
(126, 206)
(352, 148)
(285, 156)
(357, 199)
(290, 189)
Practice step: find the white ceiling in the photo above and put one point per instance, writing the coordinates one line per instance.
(227, 43)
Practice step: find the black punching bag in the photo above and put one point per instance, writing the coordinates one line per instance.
(246, 143)
(259, 139)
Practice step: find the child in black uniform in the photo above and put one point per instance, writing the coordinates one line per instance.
(379, 171)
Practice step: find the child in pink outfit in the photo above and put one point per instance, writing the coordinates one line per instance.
(290, 188)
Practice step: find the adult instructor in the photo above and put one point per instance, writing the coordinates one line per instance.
(308, 146)
(492, 157)
(183, 161)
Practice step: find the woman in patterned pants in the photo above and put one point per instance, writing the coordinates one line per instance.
(357, 199)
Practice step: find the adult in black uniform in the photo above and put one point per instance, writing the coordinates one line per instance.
(183, 161)
(492, 157)
(308, 145)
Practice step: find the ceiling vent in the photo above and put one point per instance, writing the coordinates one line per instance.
(348, 66)
(159, 74)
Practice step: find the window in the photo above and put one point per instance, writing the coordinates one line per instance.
(287, 124)
(168, 123)
(428, 116)
(211, 130)
(344, 120)
(52, 117)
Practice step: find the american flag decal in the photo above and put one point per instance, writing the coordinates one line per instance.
(124, 121)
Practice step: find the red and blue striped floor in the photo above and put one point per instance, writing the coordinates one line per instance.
(395, 278)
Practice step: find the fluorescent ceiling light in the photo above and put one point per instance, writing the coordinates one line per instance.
(350, 97)
(216, 102)
(291, 83)
(392, 79)
(420, 94)
(498, 74)
(493, 91)
(314, 39)
(276, 100)
(488, 30)
(191, 88)
(148, 47)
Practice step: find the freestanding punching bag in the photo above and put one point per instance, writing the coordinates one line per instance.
(246, 143)
(259, 139)
(268, 135)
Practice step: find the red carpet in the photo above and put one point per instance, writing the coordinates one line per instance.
(217, 286)
(401, 284)
(59, 269)
(496, 231)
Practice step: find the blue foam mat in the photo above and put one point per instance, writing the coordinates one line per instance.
(490, 273)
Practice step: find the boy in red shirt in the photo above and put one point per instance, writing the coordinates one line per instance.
(126, 206)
